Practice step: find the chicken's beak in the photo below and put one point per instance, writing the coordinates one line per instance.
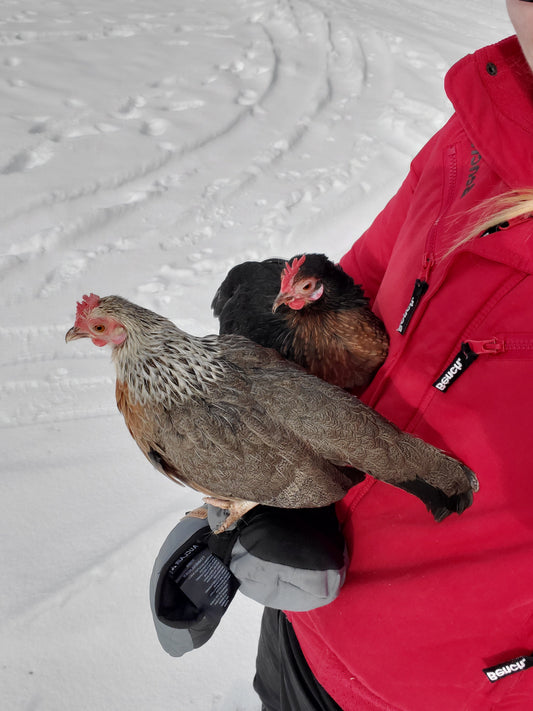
(281, 298)
(75, 333)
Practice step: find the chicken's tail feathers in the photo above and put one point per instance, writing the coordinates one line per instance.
(245, 279)
(437, 502)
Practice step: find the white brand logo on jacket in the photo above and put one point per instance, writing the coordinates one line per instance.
(513, 666)
(449, 375)
(457, 367)
(507, 669)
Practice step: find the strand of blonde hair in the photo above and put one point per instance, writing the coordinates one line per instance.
(496, 211)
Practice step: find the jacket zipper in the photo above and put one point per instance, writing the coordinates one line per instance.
(505, 344)
(490, 347)
(428, 261)
(471, 350)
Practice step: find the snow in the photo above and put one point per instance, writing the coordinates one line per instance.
(145, 148)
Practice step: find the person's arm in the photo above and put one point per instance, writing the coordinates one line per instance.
(368, 257)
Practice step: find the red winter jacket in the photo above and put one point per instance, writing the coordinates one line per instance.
(427, 607)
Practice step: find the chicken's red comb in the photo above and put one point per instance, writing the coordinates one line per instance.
(85, 306)
(290, 271)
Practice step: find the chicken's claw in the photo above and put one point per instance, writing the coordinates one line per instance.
(200, 512)
(236, 508)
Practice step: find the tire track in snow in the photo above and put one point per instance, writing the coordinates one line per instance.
(112, 30)
(147, 182)
(38, 381)
(31, 344)
(112, 563)
(69, 234)
(291, 31)
(161, 180)
(305, 22)
(358, 70)
(93, 188)
(57, 399)
(336, 89)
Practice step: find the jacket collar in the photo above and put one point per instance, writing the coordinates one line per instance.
(492, 93)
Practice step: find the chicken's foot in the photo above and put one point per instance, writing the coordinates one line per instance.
(236, 508)
(200, 512)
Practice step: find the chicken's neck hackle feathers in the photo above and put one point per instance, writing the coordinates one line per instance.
(158, 362)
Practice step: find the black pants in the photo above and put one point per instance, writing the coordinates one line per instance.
(283, 679)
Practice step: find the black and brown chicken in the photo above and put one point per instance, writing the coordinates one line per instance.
(241, 424)
(310, 311)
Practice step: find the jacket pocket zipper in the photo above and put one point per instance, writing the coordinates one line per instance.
(471, 350)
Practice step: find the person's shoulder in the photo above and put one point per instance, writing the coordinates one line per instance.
(483, 61)
(507, 48)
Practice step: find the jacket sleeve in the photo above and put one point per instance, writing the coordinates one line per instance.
(368, 257)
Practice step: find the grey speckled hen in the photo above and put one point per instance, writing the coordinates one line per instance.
(239, 423)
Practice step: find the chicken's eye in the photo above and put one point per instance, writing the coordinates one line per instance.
(308, 285)
(99, 328)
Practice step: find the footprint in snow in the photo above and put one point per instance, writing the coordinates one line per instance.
(184, 105)
(130, 109)
(28, 159)
(154, 127)
(248, 97)
(12, 61)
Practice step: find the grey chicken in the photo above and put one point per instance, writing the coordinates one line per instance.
(239, 423)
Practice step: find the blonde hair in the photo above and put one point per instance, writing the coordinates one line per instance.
(497, 211)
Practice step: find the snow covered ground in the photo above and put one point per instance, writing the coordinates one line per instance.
(146, 147)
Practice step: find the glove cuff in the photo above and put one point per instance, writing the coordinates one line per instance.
(190, 589)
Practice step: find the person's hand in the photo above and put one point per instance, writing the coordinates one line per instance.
(291, 559)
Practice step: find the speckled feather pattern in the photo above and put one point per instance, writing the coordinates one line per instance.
(234, 419)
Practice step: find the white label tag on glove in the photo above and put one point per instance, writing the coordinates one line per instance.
(208, 583)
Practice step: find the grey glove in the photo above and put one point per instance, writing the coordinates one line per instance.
(190, 588)
(290, 559)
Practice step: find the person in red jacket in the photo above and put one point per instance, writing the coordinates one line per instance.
(425, 616)
(439, 616)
